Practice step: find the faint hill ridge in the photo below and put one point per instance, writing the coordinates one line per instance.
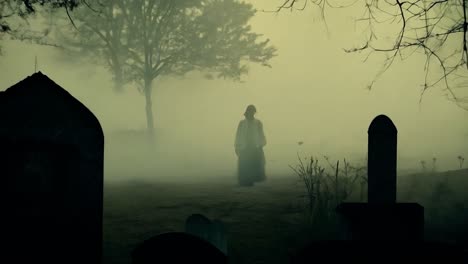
(461, 174)
(422, 185)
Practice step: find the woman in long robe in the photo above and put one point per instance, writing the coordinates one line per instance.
(250, 140)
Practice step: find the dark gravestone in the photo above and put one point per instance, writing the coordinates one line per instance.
(381, 231)
(211, 231)
(382, 161)
(177, 247)
(382, 218)
(51, 164)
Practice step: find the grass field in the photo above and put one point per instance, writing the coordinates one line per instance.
(264, 222)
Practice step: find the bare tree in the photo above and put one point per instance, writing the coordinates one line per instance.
(99, 35)
(142, 40)
(435, 28)
(14, 15)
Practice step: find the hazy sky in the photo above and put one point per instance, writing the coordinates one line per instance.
(314, 93)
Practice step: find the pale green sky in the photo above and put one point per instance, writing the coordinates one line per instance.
(314, 93)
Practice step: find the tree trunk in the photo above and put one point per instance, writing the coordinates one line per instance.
(118, 73)
(149, 108)
(118, 81)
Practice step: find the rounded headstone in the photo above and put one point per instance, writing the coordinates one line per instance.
(382, 124)
(382, 160)
(199, 225)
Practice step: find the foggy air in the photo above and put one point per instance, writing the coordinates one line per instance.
(312, 98)
(314, 92)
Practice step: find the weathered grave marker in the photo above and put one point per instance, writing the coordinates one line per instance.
(382, 230)
(51, 164)
(198, 225)
(219, 236)
(211, 231)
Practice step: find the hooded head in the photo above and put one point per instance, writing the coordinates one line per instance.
(250, 112)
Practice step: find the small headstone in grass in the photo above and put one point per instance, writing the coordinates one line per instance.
(212, 231)
(219, 236)
(199, 225)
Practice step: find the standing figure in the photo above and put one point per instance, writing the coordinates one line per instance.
(249, 144)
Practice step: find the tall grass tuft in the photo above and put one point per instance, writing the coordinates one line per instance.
(325, 189)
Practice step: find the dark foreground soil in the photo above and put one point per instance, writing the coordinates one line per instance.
(265, 222)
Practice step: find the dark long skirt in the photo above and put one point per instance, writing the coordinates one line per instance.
(251, 166)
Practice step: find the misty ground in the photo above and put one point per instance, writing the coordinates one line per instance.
(136, 210)
(264, 222)
(153, 190)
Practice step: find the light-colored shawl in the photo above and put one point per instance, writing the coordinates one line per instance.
(245, 127)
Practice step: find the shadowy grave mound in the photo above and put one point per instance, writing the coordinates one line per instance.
(51, 162)
(177, 247)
